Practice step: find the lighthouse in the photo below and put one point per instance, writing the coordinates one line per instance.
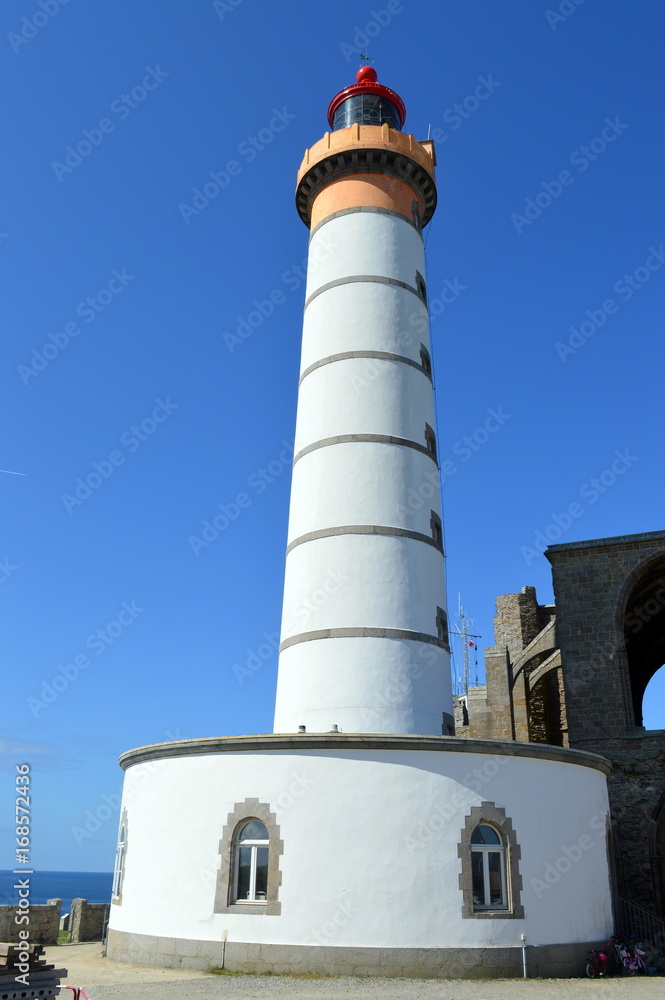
(361, 836)
(364, 641)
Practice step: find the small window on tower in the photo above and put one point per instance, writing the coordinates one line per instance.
(425, 361)
(430, 441)
(442, 627)
(437, 529)
(421, 286)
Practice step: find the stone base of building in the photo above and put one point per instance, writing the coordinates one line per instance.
(557, 961)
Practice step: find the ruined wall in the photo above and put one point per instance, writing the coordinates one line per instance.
(497, 711)
(610, 630)
(87, 921)
(593, 584)
(516, 622)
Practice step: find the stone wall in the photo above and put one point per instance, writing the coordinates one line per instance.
(558, 961)
(44, 923)
(516, 622)
(606, 598)
(87, 921)
(610, 633)
(504, 710)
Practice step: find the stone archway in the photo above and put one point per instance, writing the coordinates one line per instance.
(644, 630)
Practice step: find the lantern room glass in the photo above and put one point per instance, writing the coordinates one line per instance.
(366, 109)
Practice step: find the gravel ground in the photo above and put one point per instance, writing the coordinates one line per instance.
(107, 980)
(265, 987)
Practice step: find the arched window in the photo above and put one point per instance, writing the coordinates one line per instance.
(644, 631)
(119, 868)
(250, 848)
(490, 879)
(653, 701)
(251, 862)
(488, 868)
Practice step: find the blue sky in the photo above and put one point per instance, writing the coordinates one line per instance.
(119, 289)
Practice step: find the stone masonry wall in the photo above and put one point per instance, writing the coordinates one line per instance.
(592, 585)
(87, 920)
(589, 703)
(519, 619)
(43, 927)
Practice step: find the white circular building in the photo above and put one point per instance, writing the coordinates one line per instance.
(361, 836)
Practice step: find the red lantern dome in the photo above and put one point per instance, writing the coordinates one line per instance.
(366, 102)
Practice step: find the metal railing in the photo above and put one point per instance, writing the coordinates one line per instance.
(648, 927)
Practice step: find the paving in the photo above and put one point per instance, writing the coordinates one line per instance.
(104, 979)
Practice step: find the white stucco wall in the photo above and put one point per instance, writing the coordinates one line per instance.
(357, 580)
(400, 688)
(370, 846)
(365, 243)
(341, 484)
(337, 321)
(364, 396)
(364, 580)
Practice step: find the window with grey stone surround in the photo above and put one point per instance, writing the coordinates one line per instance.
(487, 813)
(227, 876)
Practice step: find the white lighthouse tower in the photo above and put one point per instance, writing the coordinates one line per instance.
(362, 836)
(364, 634)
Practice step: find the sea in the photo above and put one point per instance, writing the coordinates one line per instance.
(93, 886)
